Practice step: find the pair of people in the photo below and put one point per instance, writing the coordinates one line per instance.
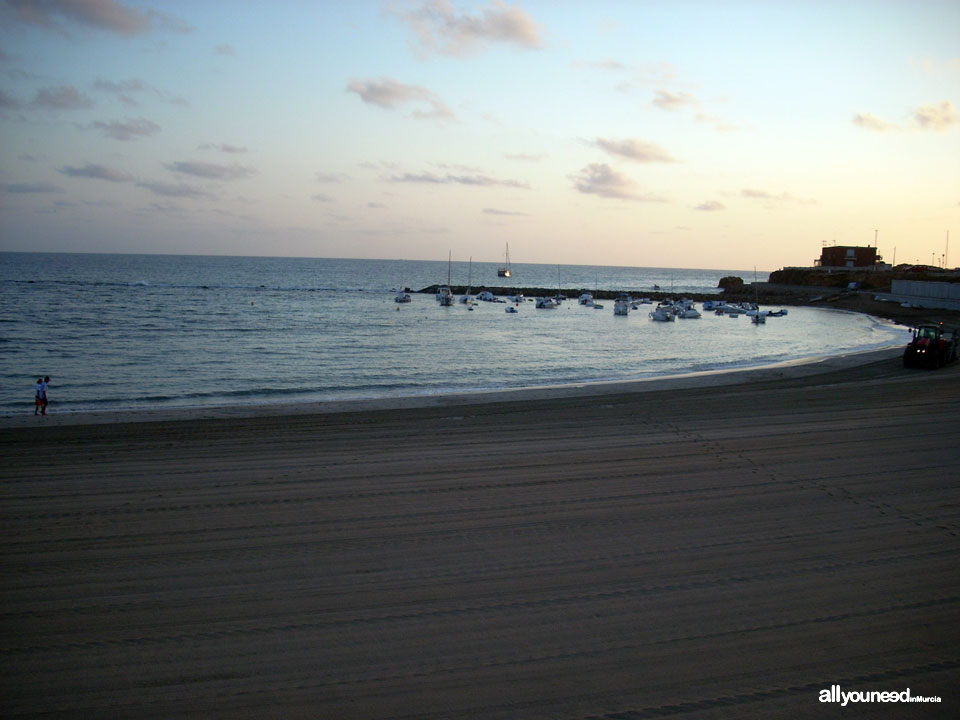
(41, 401)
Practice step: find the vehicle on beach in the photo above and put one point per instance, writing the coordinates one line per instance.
(932, 346)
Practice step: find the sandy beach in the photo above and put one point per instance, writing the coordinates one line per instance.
(727, 546)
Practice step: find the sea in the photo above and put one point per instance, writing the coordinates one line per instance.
(133, 332)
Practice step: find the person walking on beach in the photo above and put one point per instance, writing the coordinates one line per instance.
(40, 403)
(38, 398)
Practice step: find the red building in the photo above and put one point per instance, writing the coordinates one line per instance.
(849, 257)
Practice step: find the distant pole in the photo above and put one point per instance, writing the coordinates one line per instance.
(946, 251)
(875, 231)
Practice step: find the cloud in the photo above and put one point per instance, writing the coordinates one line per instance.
(106, 15)
(38, 187)
(128, 130)
(784, 197)
(636, 150)
(323, 177)
(389, 94)
(442, 28)
(179, 190)
(8, 102)
(320, 197)
(64, 97)
(674, 101)
(495, 211)
(711, 206)
(211, 171)
(223, 147)
(603, 180)
(937, 117)
(97, 172)
(124, 86)
(376, 206)
(475, 180)
(872, 122)
(522, 157)
(225, 49)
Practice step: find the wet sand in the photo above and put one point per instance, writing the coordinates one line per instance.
(691, 548)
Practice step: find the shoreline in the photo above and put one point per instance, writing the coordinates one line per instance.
(724, 546)
(784, 370)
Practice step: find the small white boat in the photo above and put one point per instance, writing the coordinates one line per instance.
(688, 313)
(511, 309)
(402, 297)
(662, 314)
(487, 296)
(621, 307)
(585, 299)
(546, 303)
(444, 293)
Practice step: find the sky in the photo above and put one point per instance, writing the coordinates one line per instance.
(670, 133)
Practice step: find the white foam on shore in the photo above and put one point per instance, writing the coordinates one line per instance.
(804, 367)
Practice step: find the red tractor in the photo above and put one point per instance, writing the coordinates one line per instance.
(932, 346)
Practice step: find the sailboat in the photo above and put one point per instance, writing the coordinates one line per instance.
(444, 294)
(505, 270)
(466, 299)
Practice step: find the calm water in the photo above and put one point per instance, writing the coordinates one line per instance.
(140, 331)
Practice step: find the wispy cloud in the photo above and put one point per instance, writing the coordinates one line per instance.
(939, 117)
(506, 213)
(389, 94)
(37, 187)
(680, 101)
(65, 97)
(320, 197)
(524, 157)
(711, 206)
(8, 102)
(223, 147)
(636, 150)
(444, 29)
(872, 122)
(127, 130)
(107, 15)
(774, 199)
(225, 49)
(211, 171)
(97, 172)
(450, 179)
(124, 86)
(178, 190)
(323, 177)
(674, 101)
(603, 180)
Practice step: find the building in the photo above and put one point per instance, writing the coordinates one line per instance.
(845, 256)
